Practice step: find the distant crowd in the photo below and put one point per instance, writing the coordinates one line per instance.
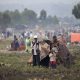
(58, 53)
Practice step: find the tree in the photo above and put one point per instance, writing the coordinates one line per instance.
(7, 12)
(29, 16)
(52, 20)
(76, 11)
(6, 20)
(55, 20)
(1, 16)
(49, 20)
(43, 15)
(16, 17)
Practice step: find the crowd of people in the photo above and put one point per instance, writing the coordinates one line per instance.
(57, 53)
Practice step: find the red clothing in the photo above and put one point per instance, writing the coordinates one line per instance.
(52, 62)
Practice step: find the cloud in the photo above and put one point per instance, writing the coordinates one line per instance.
(37, 1)
(53, 7)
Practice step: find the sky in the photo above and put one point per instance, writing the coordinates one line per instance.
(53, 7)
(37, 1)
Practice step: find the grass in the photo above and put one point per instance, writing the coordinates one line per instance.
(4, 44)
(13, 66)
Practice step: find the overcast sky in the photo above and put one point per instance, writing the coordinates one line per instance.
(38, 1)
(53, 7)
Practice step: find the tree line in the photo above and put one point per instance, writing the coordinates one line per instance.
(28, 17)
(76, 11)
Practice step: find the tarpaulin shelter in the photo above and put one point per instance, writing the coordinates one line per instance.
(75, 37)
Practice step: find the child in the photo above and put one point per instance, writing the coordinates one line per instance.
(52, 60)
(52, 56)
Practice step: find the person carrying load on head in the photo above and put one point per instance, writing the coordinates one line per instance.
(27, 44)
(35, 51)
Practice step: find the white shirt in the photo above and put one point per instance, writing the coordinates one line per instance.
(52, 57)
(35, 48)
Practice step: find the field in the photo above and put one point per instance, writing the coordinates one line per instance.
(13, 66)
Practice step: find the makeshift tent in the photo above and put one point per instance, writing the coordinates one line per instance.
(75, 37)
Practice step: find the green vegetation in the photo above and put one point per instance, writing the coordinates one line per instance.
(13, 66)
(76, 11)
(28, 17)
(4, 44)
(5, 20)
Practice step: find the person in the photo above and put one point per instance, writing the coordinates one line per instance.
(44, 55)
(56, 43)
(36, 51)
(52, 56)
(27, 44)
(16, 43)
(62, 39)
(63, 56)
(13, 46)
